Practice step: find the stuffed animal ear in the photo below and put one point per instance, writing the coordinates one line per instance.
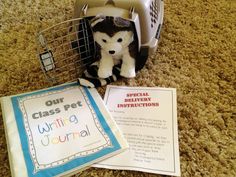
(97, 19)
(120, 22)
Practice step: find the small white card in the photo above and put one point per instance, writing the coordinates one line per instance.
(148, 120)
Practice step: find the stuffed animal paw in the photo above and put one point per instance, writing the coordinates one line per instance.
(127, 72)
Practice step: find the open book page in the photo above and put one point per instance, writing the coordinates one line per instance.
(58, 131)
(147, 118)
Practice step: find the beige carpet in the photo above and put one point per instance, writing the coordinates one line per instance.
(196, 55)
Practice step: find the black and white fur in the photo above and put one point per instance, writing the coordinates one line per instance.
(116, 51)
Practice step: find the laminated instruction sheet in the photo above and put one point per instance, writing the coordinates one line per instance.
(148, 119)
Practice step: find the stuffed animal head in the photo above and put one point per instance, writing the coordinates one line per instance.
(112, 34)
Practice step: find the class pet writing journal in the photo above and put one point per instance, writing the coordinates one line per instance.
(58, 131)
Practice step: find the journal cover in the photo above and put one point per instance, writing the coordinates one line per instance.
(58, 131)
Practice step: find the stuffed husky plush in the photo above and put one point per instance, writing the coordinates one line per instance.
(114, 37)
(117, 49)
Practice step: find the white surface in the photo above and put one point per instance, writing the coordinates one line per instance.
(149, 122)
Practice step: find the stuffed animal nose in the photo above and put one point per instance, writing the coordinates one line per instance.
(111, 51)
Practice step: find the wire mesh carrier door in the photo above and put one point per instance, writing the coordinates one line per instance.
(66, 49)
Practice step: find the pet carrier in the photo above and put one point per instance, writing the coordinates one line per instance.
(67, 48)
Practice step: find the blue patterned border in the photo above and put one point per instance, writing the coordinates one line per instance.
(77, 162)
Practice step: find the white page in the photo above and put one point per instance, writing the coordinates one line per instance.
(149, 123)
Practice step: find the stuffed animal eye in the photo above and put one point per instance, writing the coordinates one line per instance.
(120, 40)
(104, 40)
